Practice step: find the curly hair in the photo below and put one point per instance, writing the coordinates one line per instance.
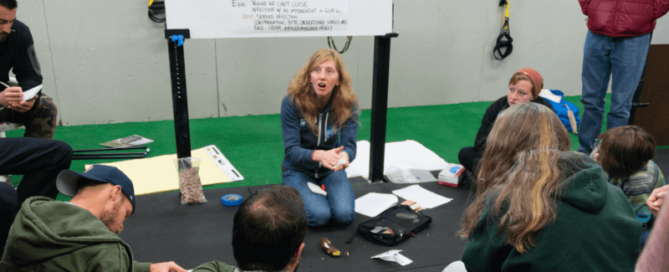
(304, 96)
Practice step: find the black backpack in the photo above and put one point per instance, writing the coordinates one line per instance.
(403, 221)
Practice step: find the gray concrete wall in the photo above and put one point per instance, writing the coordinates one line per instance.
(105, 61)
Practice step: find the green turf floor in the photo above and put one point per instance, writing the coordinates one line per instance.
(253, 144)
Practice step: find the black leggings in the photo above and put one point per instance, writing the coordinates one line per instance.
(38, 160)
(469, 158)
(9, 206)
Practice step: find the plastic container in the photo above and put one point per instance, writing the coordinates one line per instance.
(450, 175)
(396, 175)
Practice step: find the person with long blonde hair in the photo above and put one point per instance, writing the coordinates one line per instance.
(541, 207)
(319, 120)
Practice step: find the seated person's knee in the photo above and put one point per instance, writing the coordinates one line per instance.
(343, 217)
(318, 218)
(8, 197)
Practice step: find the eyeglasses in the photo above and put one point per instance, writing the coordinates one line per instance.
(596, 145)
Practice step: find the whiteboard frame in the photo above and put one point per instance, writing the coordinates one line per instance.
(204, 20)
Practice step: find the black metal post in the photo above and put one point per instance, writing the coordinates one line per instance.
(179, 96)
(379, 105)
(635, 102)
(637, 93)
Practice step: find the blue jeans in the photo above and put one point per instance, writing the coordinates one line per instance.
(625, 58)
(338, 205)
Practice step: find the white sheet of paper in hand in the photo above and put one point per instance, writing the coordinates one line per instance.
(29, 94)
(372, 204)
(425, 198)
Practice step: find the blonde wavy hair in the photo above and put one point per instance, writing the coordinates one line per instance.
(304, 96)
(519, 172)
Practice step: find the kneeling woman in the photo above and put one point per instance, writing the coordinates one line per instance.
(319, 120)
(524, 87)
(541, 207)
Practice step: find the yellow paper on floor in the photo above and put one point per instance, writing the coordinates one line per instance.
(159, 174)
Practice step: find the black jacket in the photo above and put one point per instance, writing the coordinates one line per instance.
(490, 117)
(17, 52)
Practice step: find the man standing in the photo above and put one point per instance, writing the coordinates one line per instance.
(268, 233)
(617, 43)
(79, 235)
(17, 53)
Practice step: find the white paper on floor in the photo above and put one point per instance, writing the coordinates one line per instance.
(457, 266)
(373, 204)
(427, 199)
(394, 256)
(407, 154)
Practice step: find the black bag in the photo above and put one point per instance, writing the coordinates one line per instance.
(403, 221)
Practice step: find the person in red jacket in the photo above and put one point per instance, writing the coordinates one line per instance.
(617, 43)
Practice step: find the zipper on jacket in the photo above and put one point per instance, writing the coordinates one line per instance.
(325, 126)
(318, 142)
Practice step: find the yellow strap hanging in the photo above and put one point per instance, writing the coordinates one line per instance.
(151, 3)
(506, 15)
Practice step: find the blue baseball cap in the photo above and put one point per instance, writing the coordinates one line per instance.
(67, 181)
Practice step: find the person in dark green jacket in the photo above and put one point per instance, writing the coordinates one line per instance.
(80, 235)
(267, 234)
(540, 207)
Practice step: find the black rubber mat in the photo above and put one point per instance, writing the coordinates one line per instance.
(163, 230)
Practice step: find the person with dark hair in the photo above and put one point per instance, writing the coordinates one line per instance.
(319, 121)
(616, 47)
(39, 161)
(524, 87)
(79, 235)
(540, 207)
(17, 53)
(625, 153)
(268, 232)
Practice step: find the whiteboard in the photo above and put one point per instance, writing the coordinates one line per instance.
(211, 19)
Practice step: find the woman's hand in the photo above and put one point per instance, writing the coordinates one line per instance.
(656, 199)
(328, 158)
(343, 158)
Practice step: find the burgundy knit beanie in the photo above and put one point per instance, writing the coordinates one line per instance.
(537, 80)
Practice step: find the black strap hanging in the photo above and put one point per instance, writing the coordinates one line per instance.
(504, 46)
(332, 45)
(157, 11)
